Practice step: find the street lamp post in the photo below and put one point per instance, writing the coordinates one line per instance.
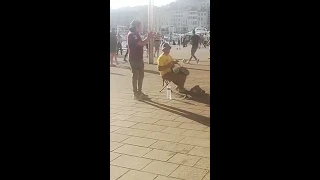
(150, 28)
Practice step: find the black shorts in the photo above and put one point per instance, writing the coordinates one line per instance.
(193, 49)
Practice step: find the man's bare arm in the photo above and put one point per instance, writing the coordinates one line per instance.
(145, 41)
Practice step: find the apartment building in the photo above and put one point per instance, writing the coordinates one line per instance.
(183, 19)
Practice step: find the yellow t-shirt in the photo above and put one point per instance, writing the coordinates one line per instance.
(164, 60)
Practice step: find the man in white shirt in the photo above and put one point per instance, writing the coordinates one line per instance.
(206, 39)
(119, 44)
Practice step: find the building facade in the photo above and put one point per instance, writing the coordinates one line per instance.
(183, 16)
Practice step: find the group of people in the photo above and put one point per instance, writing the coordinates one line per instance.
(166, 64)
(115, 47)
(135, 51)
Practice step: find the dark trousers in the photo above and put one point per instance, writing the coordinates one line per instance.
(119, 47)
(125, 56)
(137, 68)
(205, 44)
(193, 50)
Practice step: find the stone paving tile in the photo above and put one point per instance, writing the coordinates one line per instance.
(204, 163)
(146, 110)
(112, 115)
(114, 106)
(148, 120)
(183, 120)
(161, 168)
(124, 108)
(132, 150)
(159, 155)
(165, 137)
(149, 127)
(189, 173)
(118, 137)
(113, 120)
(193, 126)
(121, 117)
(116, 99)
(114, 110)
(165, 178)
(184, 159)
(196, 141)
(123, 103)
(198, 134)
(127, 108)
(165, 117)
(133, 132)
(143, 105)
(114, 128)
(116, 172)
(160, 112)
(171, 146)
(200, 151)
(207, 177)
(172, 130)
(131, 162)
(114, 145)
(137, 175)
(168, 123)
(139, 141)
(123, 123)
(143, 114)
(114, 155)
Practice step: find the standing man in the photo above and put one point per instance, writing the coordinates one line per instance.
(135, 45)
(125, 56)
(119, 44)
(205, 41)
(113, 48)
(157, 42)
(194, 45)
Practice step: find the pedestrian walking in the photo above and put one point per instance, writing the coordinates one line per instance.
(125, 56)
(119, 44)
(136, 44)
(194, 46)
(200, 42)
(113, 48)
(205, 41)
(157, 42)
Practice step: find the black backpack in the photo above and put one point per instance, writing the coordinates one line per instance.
(196, 90)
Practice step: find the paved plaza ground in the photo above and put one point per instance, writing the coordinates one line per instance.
(159, 139)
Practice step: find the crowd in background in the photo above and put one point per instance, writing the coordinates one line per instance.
(116, 43)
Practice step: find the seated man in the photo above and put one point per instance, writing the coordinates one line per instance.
(165, 65)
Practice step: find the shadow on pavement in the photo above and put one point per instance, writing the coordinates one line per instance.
(205, 99)
(195, 117)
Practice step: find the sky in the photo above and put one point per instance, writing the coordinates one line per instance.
(115, 4)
